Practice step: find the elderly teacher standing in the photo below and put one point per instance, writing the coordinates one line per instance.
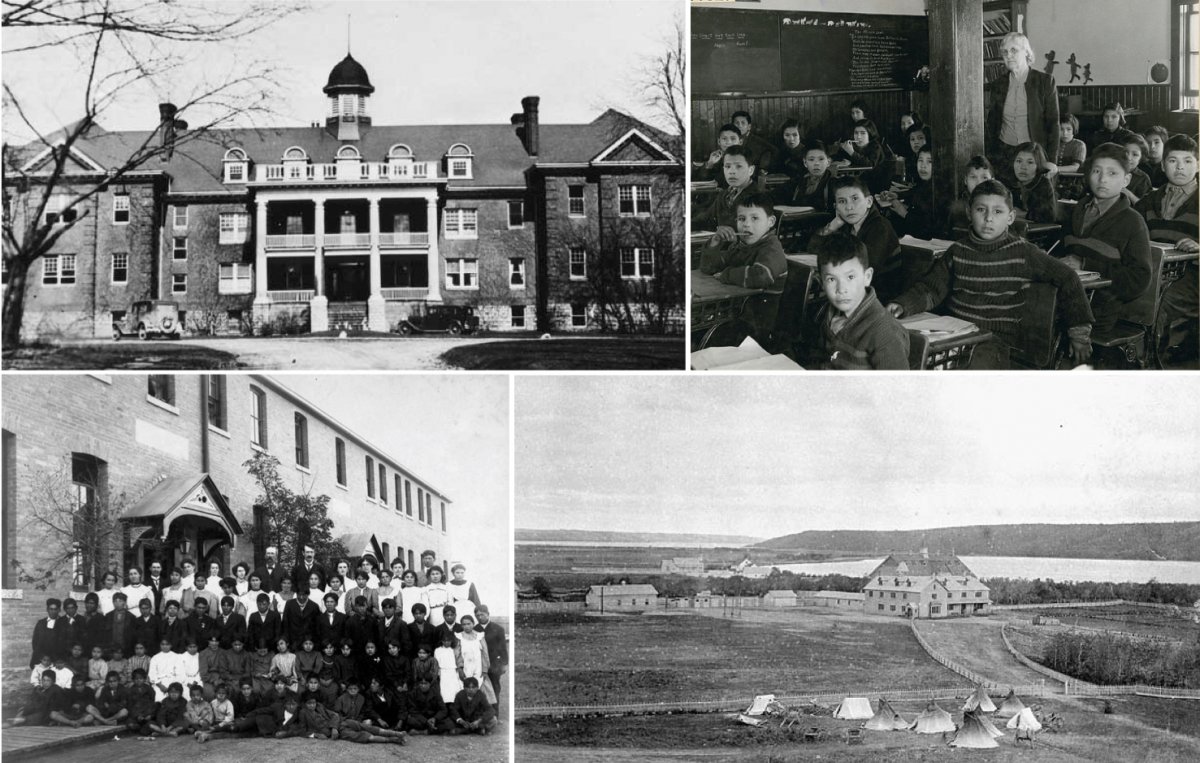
(1020, 107)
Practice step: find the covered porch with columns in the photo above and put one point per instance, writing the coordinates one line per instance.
(348, 246)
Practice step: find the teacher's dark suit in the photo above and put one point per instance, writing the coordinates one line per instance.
(272, 581)
(1042, 104)
(300, 575)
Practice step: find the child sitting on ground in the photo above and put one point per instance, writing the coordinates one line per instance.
(855, 212)
(985, 277)
(46, 697)
(855, 332)
(110, 705)
(752, 258)
(471, 711)
(171, 717)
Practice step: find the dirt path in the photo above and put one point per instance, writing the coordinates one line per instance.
(341, 354)
(976, 644)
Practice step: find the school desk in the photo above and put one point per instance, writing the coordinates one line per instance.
(1173, 264)
(795, 226)
(775, 180)
(703, 195)
(941, 351)
(713, 304)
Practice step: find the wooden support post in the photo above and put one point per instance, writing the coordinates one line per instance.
(955, 92)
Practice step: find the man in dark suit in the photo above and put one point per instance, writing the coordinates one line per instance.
(497, 645)
(74, 633)
(155, 580)
(147, 628)
(305, 567)
(49, 634)
(300, 616)
(271, 573)
(200, 625)
(391, 627)
(119, 625)
(331, 625)
(174, 628)
(264, 625)
(230, 625)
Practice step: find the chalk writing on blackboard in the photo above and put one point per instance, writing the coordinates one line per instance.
(873, 58)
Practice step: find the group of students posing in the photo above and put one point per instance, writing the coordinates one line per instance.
(1139, 188)
(351, 667)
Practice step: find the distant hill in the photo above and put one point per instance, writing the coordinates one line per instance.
(1161, 541)
(605, 536)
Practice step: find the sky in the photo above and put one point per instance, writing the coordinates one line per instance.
(451, 429)
(767, 456)
(431, 62)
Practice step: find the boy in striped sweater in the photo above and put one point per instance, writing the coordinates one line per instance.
(1171, 216)
(986, 276)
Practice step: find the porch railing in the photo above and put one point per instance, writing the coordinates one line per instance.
(346, 170)
(347, 240)
(405, 293)
(292, 241)
(414, 239)
(296, 295)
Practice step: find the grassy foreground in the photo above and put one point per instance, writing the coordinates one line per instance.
(571, 354)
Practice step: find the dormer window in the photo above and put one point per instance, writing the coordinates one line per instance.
(295, 163)
(237, 166)
(459, 160)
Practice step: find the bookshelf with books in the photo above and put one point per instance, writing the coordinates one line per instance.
(999, 18)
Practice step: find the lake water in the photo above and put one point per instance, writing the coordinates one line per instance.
(1099, 570)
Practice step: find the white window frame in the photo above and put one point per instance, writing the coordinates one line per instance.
(57, 269)
(123, 257)
(457, 266)
(178, 280)
(581, 251)
(176, 249)
(179, 216)
(121, 205)
(235, 278)
(582, 316)
(572, 198)
(238, 167)
(461, 223)
(520, 205)
(634, 255)
(259, 434)
(516, 317)
(638, 195)
(516, 273)
(54, 206)
(233, 227)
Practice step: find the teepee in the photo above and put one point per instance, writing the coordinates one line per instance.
(1024, 720)
(854, 709)
(886, 719)
(979, 700)
(933, 720)
(1011, 704)
(973, 733)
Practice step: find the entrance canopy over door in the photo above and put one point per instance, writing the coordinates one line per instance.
(192, 500)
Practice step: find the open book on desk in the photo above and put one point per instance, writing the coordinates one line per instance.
(786, 210)
(748, 356)
(935, 245)
(938, 326)
(1087, 275)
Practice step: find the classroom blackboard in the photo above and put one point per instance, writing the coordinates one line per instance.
(779, 51)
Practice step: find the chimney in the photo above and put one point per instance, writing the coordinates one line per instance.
(529, 105)
(167, 124)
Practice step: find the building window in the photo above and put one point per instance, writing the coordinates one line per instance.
(578, 257)
(180, 218)
(460, 168)
(637, 262)
(179, 283)
(517, 319)
(516, 214)
(575, 201)
(443, 516)
(461, 223)
(398, 493)
(233, 227)
(935, 609)
(579, 316)
(58, 269)
(258, 417)
(120, 267)
(235, 172)
(978, 594)
(216, 401)
(370, 477)
(383, 484)
(634, 200)
(1187, 53)
(462, 274)
(161, 387)
(408, 500)
(516, 272)
(121, 209)
(420, 505)
(236, 278)
(179, 247)
(301, 440)
(54, 212)
(429, 508)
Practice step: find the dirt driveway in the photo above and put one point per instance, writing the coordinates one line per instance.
(337, 354)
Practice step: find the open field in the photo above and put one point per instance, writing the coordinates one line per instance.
(1126, 618)
(579, 659)
(134, 354)
(550, 560)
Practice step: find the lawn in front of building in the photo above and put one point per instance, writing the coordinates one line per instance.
(599, 353)
(135, 355)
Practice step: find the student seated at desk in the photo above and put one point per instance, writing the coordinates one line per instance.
(854, 210)
(711, 168)
(1156, 137)
(1139, 182)
(866, 149)
(1107, 236)
(917, 216)
(739, 173)
(915, 137)
(1171, 216)
(811, 187)
(985, 276)
(751, 257)
(1112, 129)
(1034, 195)
(760, 152)
(1071, 154)
(789, 157)
(854, 331)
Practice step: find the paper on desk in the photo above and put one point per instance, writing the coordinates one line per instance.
(792, 210)
(939, 325)
(935, 244)
(1087, 275)
(803, 259)
(718, 357)
(769, 363)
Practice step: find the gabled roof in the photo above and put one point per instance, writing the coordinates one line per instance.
(918, 565)
(837, 595)
(634, 147)
(636, 589)
(194, 495)
(567, 144)
(780, 595)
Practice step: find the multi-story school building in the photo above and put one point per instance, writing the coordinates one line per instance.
(166, 454)
(349, 224)
(918, 585)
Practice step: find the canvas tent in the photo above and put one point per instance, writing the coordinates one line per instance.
(933, 720)
(973, 733)
(854, 709)
(979, 700)
(1024, 720)
(989, 727)
(886, 719)
(1011, 704)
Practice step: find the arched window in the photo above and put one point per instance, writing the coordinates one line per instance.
(349, 152)
(459, 160)
(295, 153)
(399, 152)
(236, 166)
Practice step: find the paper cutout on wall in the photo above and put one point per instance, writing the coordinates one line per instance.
(1050, 63)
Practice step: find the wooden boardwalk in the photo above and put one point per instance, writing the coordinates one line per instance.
(22, 741)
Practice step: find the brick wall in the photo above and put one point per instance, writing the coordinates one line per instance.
(495, 246)
(203, 306)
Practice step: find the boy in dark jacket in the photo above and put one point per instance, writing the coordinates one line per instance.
(471, 711)
(855, 211)
(427, 713)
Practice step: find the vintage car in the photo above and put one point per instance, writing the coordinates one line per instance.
(147, 318)
(455, 319)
